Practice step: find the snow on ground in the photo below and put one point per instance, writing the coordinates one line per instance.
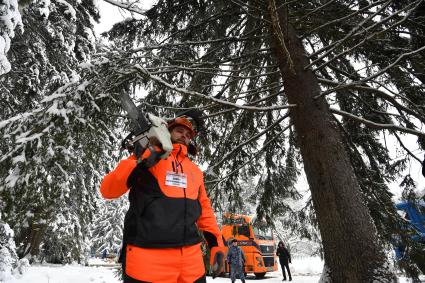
(305, 270)
(103, 274)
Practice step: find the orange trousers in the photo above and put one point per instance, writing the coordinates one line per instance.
(166, 265)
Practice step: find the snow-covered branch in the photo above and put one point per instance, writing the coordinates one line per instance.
(10, 19)
(206, 97)
(188, 43)
(127, 5)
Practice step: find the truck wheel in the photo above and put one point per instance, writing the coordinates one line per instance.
(260, 275)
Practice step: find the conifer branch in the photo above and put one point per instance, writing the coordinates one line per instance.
(212, 18)
(333, 22)
(339, 55)
(205, 42)
(231, 110)
(350, 35)
(233, 150)
(178, 69)
(376, 125)
(260, 151)
(131, 7)
(174, 108)
(219, 113)
(185, 91)
(307, 15)
(405, 148)
(367, 89)
(390, 66)
(198, 68)
(244, 5)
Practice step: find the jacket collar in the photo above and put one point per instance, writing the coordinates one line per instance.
(179, 149)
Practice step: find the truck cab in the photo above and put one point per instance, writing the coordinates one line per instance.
(257, 243)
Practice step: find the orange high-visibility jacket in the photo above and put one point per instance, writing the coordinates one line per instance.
(163, 214)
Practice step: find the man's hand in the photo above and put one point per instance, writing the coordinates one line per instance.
(138, 149)
(217, 266)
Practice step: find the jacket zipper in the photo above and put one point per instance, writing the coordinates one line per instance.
(179, 164)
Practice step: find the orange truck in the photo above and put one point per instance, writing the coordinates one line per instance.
(258, 244)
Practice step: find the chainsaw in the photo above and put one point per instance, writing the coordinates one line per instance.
(148, 129)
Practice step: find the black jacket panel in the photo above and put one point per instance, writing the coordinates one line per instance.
(155, 220)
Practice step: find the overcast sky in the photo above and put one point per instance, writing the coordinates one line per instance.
(110, 14)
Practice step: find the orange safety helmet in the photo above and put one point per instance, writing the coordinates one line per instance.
(181, 121)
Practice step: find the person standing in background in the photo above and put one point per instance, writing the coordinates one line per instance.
(236, 260)
(284, 259)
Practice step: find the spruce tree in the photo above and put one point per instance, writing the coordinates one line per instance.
(346, 71)
(283, 86)
(107, 226)
(47, 184)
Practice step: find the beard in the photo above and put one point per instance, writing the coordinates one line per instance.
(179, 141)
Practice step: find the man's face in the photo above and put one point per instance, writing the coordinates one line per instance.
(181, 135)
(235, 243)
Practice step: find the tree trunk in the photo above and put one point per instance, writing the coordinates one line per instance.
(351, 248)
(32, 240)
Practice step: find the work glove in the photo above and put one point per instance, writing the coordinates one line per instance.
(218, 263)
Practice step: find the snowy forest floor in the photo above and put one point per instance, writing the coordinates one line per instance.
(305, 270)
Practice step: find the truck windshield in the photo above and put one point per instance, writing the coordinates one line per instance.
(263, 233)
(244, 231)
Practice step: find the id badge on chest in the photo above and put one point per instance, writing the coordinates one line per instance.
(176, 179)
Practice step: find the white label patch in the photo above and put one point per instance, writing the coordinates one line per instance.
(176, 179)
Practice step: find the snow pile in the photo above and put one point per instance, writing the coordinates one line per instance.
(10, 18)
(83, 274)
(307, 265)
(66, 274)
(8, 257)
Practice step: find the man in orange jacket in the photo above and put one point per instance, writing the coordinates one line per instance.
(168, 207)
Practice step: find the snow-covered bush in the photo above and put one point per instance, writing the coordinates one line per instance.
(10, 18)
(8, 257)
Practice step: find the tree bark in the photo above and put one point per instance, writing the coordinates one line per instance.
(32, 240)
(351, 247)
